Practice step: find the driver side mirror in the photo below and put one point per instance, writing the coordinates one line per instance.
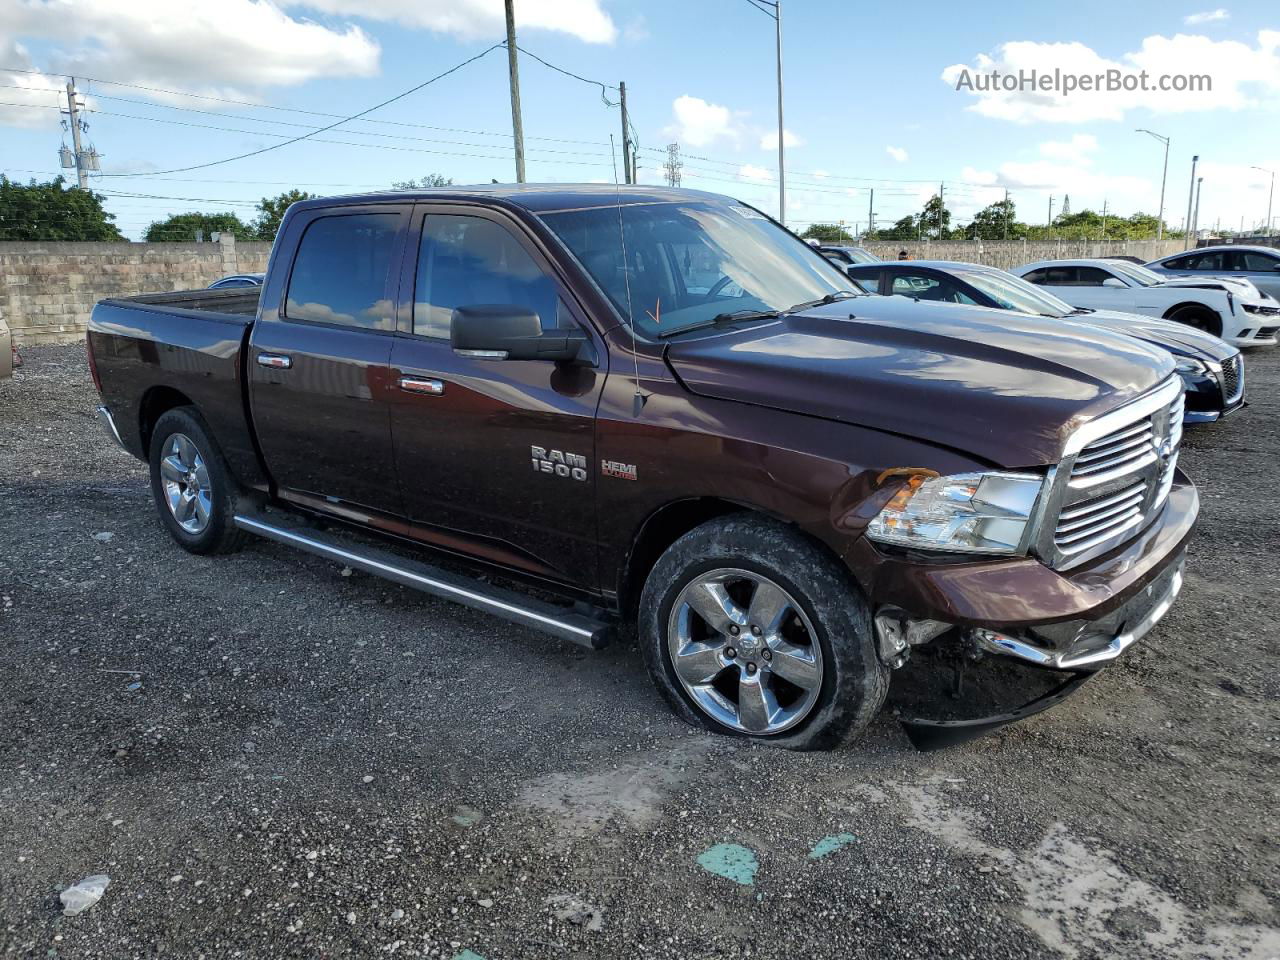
(504, 331)
(1114, 282)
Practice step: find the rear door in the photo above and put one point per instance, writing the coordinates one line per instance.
(496, 458)
(319, 359)
(1262, 268)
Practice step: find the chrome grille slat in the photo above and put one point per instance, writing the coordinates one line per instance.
(1133, 443)
(1114, 477)
(1131, 502)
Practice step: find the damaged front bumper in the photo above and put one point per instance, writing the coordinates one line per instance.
(1045, 632)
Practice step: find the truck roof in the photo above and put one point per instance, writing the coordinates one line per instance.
(534, 197)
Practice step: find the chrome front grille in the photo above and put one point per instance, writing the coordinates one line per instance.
(1231, 381)
(1114, 477)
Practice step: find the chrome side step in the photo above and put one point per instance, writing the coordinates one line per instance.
(562, 623)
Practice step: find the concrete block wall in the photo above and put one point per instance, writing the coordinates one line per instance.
(1013, 253)
(49, 289)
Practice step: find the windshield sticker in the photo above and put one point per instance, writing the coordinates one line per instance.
(750, 214)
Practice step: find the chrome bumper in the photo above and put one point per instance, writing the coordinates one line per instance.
(105, 416)
(1088, 653)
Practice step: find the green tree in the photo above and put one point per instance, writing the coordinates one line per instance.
(53, 211)
(935, 219)
(430, 180)
(908, 228)
(826, 233)
(183, 226)
(995, 222)
(271, 212)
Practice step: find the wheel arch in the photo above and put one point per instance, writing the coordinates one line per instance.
(156, 402)
(1215, 319)
(668, 523)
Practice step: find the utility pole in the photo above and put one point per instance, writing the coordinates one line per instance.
(83, 160)
(1191, 195)
(782, 176)
(871, 211)
(1104, 218)
(1163, 176)
(628, 174)
(1050, 224)
(513, 67)
(1006, 215)
(1195, 217)
(1270, 195)
(942, 205)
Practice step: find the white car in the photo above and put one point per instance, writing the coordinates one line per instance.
(1230, 308)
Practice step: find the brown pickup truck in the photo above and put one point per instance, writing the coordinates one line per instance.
(659, 405)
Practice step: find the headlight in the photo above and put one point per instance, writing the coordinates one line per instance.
(1190, 366)
(967, 513)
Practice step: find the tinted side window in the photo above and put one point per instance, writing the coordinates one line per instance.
(1207, 261)
(464, 261)
(924, 287)
(1090, 276)
(341, 272)
(1036, 276)
(1177, 263)
(1059, 276)
(868, 279)
(1252, 260)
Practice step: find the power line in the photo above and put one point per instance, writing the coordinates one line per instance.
(568, 73)
(305, 136)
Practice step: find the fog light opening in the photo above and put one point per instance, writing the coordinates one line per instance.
(897, 632)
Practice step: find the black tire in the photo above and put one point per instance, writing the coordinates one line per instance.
(1199, 317)
(218, 534)
(854, 681)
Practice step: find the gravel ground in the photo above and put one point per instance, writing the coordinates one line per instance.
(272, 760)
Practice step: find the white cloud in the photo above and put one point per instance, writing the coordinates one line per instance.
(1240, 76)
(480, 19)
(1208, 16)
(753, 174)
(770, 140)
(1078, 150)
(699, 123)
(897, 153)
(222, 47)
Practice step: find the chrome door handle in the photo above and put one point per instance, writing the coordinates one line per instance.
(277, 361)
(432, 388)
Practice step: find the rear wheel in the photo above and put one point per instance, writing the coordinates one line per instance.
(1199, 317)
(750, 630)
(194, 491)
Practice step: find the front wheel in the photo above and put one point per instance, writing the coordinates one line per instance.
(751, 630)
(194, 491)
(1199, 317)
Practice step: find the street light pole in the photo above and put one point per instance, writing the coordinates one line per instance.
(1271, 195)
(1163, 177)
(1191, 195)
(1195, 217)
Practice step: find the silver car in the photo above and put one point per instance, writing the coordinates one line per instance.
(1261, 265)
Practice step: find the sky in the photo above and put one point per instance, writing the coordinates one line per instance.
(871, 100)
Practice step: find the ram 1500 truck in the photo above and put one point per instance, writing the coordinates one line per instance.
(659, 405)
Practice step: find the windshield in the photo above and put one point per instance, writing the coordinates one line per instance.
(1141, 275)
(688, 263)
(1014, 293)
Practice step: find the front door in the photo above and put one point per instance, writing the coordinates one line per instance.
(319, 360)
(496, 458)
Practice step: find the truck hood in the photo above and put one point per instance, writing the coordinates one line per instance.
(1004, 387)
(1175, 337)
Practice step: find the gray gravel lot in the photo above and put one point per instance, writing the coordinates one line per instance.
(313, 765)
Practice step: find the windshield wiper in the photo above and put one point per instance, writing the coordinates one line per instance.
(734, 316)
(823, 301)
(1078, 311)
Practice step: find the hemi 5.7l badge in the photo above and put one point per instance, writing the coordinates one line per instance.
(615, 468)
(560, 463)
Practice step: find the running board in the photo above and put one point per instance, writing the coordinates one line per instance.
(562, 623)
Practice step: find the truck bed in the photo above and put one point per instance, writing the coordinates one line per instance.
(233, 301)
(184, 346)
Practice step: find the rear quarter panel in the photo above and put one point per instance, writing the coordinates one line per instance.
(138, 350)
